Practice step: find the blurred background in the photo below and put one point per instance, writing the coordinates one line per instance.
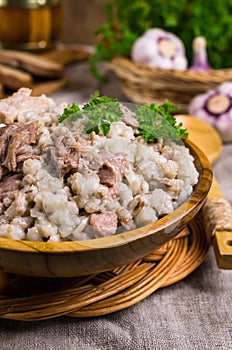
(80, 19)
(25, 23)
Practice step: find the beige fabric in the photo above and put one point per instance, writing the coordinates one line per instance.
(194, 314)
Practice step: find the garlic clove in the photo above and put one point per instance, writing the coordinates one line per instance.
(180, 63)
(200, 58)
(225, 88)
(142, 51)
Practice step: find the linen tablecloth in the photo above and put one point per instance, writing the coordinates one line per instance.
(193, 314)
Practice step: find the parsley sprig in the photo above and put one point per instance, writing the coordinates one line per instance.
(155, 122)
(73, 112)
(158, 122)
(101, 112)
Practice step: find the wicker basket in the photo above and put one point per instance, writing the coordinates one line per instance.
(142, 84)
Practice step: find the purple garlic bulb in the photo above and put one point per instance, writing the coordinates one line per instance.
(158, 48)
(215, 107)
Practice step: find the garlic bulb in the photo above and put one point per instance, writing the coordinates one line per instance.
(215, 108)
(200, 58)
(158, 48)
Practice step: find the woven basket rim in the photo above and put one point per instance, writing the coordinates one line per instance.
(142, 84)
(139, 68)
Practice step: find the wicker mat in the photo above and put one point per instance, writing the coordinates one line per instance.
(32, 299)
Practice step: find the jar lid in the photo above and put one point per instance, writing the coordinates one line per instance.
(29, 3)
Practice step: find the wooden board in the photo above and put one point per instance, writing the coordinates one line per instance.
(218, 209)
(66, 54)
(43, 72)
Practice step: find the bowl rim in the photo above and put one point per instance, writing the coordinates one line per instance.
(200, 192)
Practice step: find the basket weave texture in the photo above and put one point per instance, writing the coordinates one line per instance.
(142, 84)
(33, 299)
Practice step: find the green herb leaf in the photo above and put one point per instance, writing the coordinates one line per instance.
(73, 112)
(157, 122)
(101, 111)
(96, 99)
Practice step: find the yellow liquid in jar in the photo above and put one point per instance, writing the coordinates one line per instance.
(30, 28)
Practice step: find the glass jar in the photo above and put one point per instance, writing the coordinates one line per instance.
(30, 24)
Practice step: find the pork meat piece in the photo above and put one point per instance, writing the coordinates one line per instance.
(64, 156)
(104, 224)
(10, 185)
(14, 142)
(21, 103)
(113, 171)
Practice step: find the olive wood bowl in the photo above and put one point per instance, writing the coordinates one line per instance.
(70, 259)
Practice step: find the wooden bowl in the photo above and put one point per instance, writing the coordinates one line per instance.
(69, 259)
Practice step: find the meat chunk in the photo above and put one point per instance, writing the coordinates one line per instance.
(104, 224)
(129, 117)
(21, 103)
(17, 207)
(108, 175)
(15, 144)
(112, 171)
(9, 186)
(64, 155)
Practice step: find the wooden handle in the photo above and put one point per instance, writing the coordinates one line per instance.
(222, 243)
(218, 220)
(35, 64)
